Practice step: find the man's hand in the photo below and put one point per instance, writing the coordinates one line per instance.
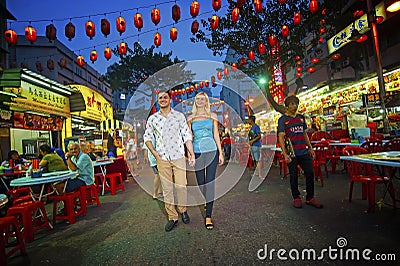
(312, 153)
(287, 158)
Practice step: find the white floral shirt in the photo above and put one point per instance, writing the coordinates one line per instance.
(170, 132)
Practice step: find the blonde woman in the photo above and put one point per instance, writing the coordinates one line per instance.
(207, 150)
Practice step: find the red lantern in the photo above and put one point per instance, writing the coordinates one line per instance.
(50, 64)
(240, 3)
(285, 31)
(363, 38)
(299, 63)
(206, 83)
(379, 19)
(201, 84)
(314, 60)
(187, 89)
(243, 61)
(194, 9)
(176, 13)
(51, 32)
(157, 39)
(282, 1)
(299, 74)
(30, 34)
(251, 55)
(235, 14)
(155, 16)
(219, 75)
(122, 48)
(297, 19)
(297, 58)
(322, 30)
(299, 69)
(62, 63)
(138, 21)
(107, 53)
(321, 40)
(214, 22)
(322, 22)
(80, 60)
(216, 4)
(310, 69)
(272, 40)
(195, 27)
(105, 26)
(335, 56)
(121, 25)
(11, 37)
(93, 56)
(196, 86)
(313, 6)
(258, 5)
(234, 67)
(90, 29)
(173, 34)
(70, 31)
(324, 11)
(261, 48)
(191, 88)
(226, 71)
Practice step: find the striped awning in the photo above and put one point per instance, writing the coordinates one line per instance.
(110, 124)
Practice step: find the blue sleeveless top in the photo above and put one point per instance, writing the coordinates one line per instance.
(203, 140)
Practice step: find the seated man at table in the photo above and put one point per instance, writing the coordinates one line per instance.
(51, 161)
(80, 162)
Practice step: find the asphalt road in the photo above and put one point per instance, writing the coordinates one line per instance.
(128, 229)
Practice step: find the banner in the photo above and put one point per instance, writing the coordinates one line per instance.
(37, 122)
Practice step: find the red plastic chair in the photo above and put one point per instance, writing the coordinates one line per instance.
(70, 213)
(10, 238)
(363, 173)
(392, 145)
(320, 160)
(331, 155)
(320, 135)
(373, 146)
(115, 182)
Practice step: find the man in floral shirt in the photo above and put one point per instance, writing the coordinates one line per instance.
(171, 132)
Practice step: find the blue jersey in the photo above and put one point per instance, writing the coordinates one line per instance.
(253, 133)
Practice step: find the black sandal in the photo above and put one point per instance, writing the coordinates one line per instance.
(209, 226)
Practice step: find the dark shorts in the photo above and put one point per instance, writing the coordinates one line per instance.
(73, 184)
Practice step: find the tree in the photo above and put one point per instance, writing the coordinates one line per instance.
(253, 29)
(135, 67)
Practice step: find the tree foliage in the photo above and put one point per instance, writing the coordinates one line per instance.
(254, 28)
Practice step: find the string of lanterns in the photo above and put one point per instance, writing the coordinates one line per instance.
(105, 28)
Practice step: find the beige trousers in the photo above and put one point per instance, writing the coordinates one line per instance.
(173, 174)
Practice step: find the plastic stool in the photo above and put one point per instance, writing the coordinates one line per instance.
(9, 228)
(89, 195)
(98, 180)
(31, 221)
(114, 186)
(69, 212)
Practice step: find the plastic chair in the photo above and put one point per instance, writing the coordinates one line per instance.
(115, 183)
(10, 237)
(28, 215)
(89, 195)
(363, 173)
(331, 156)
(372, 146)
(320, 160)
(20, 195)
(69, 213)
(320, 135)
(392, 145)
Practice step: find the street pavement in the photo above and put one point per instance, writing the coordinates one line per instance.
(250, 228)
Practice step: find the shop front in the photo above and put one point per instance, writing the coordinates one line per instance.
(87, 125)
(36, 112)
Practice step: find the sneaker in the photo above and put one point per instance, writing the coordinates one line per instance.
(297, 203)
(313, 202)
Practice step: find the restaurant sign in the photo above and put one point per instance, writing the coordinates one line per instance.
(36, 98)
(97, 107)
(361, 24)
